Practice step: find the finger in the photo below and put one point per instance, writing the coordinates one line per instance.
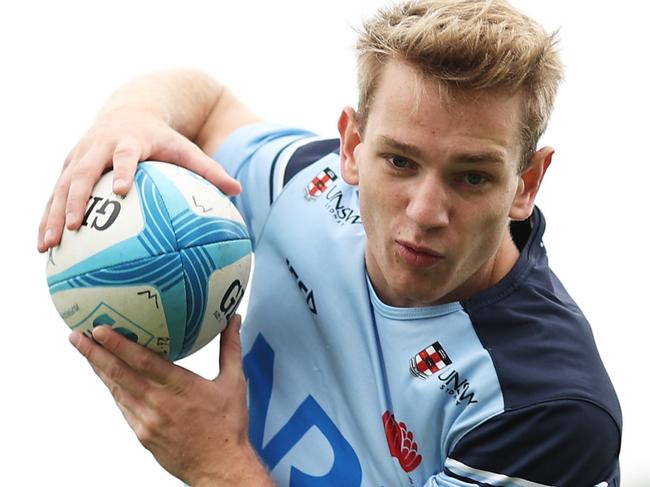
(139, 358)
(230, 364)
(42, 227)
(55, 220)
(190, 156)
(217, 175)
(131, 408)
(110, 365)
(127, 154)
(123, 398)
(83, 179)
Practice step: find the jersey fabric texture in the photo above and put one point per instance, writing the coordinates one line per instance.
(503, 389)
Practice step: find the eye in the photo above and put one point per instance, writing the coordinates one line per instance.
(474, 178)
(399, 162)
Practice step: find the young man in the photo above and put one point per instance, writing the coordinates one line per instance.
(404, 326)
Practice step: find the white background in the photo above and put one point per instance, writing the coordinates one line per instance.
(293, 62)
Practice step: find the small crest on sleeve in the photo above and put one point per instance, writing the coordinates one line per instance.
(320, 183)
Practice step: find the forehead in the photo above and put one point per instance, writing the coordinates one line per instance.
(408, 105)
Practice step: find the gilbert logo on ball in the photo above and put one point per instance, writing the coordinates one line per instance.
(166, 266)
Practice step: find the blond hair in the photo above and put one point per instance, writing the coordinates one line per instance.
(466, 45)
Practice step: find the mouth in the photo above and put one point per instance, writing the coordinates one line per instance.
(417, 256)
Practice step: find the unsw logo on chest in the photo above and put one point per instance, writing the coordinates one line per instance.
(429, 361)
(433, 359)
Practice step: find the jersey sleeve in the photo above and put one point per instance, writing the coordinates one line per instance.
(558, 443)
(263, 158)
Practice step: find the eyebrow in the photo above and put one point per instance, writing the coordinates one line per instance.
(489, 156)
(480, 157)
(404, 148)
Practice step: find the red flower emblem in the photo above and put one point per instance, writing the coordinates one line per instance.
(401, 444)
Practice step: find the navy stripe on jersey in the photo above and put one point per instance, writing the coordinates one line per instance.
(479, 478)
(525, 442)
(469, 481)
(272, 172)
(308, 154)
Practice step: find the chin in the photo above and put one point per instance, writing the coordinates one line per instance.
(419, 294)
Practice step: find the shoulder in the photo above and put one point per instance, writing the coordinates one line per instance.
(539, 340)
(559, 442)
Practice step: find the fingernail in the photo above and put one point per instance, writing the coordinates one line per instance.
(118, 184)
(75, 339)
(100, 334)
(49, 235)
(237, 323)
(70, 218)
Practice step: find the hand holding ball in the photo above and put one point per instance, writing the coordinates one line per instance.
(166, 266)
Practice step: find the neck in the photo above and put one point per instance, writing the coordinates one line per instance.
(491, 273)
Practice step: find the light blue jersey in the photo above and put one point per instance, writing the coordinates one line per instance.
(503, 389)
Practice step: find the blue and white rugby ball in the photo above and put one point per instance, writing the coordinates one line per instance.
(166, 266)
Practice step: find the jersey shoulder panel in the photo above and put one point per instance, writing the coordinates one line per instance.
(541, 344)
(263, 158)
(563, 443)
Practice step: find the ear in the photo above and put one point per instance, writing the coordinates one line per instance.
(529, 182)
(350, 140)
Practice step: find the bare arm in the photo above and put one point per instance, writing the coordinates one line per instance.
(175, 116)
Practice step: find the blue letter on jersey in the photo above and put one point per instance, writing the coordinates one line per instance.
(258, 368)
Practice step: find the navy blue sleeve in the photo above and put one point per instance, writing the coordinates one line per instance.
(561, 443)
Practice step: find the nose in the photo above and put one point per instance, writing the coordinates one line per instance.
(428, 203)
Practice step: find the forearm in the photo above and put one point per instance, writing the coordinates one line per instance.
(183, 99)
(177, 116)
(245, 468)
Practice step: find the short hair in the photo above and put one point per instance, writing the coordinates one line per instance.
(465, 45)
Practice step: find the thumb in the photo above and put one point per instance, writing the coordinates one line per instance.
(230, 349)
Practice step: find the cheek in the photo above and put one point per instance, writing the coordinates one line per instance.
(378, 208)
(484, 226)
(369, 210)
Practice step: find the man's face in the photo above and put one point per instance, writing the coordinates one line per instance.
(438, 183)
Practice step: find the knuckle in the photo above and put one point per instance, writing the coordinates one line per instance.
(115, 372)
(61, 189)
(80, 171)
(181, 389)
(124, 149)
(79, 194)
(143, 433)
(70, 158)
(115, 391)
(144, 362)
(153, 400)
(150, 427)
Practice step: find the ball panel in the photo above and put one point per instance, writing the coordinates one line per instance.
(158, 235)
(134, 311)
(91, 248)
(134, 290)
(203, 291)
(109, 221)
(193, 230)
(184, 190)
(225, 291)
